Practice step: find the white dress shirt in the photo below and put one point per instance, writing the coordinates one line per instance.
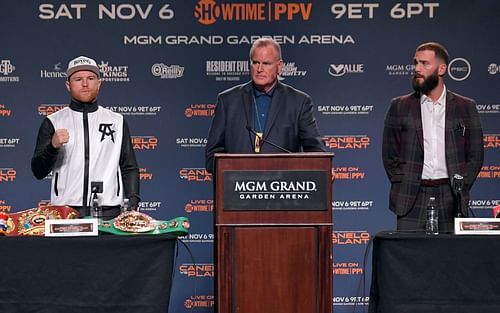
(433, 123)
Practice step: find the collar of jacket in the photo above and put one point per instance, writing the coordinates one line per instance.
(83, 107)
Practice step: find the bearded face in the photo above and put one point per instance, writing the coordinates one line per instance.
(424, 84)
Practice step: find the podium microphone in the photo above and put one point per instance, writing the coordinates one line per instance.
(250, 129)
(457, 183)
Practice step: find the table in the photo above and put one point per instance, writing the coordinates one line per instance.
(446, 273)
(86, 274)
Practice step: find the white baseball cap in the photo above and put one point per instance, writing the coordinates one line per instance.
(82, 63)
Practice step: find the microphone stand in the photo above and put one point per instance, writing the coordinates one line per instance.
(458, 185)
(250, 129)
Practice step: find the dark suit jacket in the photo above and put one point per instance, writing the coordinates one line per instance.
(403, 147)
(290, 123)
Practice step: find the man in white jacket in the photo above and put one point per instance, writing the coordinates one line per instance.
(85, 145)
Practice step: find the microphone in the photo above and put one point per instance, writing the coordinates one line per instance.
(250, 129)
(95, 188)
(457, 182)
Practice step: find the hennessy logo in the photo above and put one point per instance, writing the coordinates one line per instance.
(106, 130)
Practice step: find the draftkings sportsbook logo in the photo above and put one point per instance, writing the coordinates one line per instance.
(208, 12)
(113, 73)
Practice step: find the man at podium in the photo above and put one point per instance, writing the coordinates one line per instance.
(263, 115)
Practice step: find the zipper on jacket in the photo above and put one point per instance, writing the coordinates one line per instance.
(118, 183)
(56, 191)
(86, 159)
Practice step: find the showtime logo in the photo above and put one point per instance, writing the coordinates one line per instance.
(348, 173)
(489, 171)
(48, 109)
(199, 301)
(347, 142)
(4, 110)
(207, 12)
(144, 142)
(200, 110)
(195, 174)
(491, 141)
(196, 206)
(347, 268)
(350, 238)
(4, 207)
(144, 174)
(197, 270)
(7, 175)
(493, 68)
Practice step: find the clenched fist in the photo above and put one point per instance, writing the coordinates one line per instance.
(60, 137)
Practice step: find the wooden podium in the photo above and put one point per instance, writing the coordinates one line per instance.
(273, 228)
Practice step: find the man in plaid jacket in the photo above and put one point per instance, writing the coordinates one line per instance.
(431, 137)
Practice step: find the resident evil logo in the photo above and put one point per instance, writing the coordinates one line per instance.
(106, 130)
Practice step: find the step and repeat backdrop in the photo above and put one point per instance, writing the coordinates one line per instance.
(164, 62)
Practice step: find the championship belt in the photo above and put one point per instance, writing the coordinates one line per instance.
(31, 222)
(134, 222)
